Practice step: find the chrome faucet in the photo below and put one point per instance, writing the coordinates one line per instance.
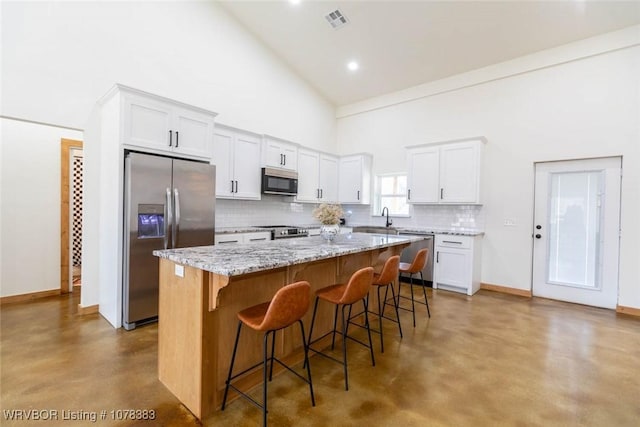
(389, 222)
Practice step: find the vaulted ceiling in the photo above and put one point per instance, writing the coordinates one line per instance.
(399, 44)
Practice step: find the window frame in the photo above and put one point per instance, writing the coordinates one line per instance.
(376, 206)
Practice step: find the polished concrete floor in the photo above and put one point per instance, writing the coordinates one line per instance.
(486, 360)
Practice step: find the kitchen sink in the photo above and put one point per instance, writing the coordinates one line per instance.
(375, 229)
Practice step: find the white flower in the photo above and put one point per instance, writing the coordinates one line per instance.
(328, 213)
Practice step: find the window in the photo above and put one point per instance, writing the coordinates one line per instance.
(391, 192)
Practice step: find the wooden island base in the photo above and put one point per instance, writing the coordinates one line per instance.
(197, 322)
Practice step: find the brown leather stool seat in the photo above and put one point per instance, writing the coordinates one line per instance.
(287, 307)
(416, 266)
(344, 296)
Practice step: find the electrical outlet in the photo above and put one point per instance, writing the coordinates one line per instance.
(179, 270)
(509, 222)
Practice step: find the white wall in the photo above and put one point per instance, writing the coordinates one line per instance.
(30, 206)
(59, 58)
(581, 108)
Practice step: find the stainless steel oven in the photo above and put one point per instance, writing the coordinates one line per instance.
(285, 231)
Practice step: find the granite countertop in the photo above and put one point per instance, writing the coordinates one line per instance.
(238, 259)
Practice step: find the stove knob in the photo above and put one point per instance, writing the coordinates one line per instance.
(284, 232)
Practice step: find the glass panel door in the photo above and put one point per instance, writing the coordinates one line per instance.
(575, 218)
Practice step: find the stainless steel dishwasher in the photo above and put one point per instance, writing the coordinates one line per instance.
(409, 253)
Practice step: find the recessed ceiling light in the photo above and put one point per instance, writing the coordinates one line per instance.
(353, 66)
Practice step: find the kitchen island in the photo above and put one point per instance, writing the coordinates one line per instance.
(202, 289)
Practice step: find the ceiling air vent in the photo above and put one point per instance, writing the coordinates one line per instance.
(336, 19)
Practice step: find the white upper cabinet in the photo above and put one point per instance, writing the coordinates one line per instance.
(355, 179)
(423, 182)
(317, 177)
(278, 153)
(446, 173)
(164, 126)
(236, 154)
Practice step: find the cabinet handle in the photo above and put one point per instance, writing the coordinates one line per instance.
(232, 186)
(450, 241)
(358, 194)
(236, 186)
(321, 193)
(177, 141)
(257, 239)
(441, 193)
(317, 193)
(285, 159)
(170, 138)
(409, 194)
(227, 241)
(437, 256)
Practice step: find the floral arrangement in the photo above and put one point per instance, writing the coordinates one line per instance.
(328, 213)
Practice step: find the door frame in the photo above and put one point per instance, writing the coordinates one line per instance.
(66, 145)
(533, 217)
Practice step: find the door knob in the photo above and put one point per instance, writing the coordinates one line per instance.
(538, 236)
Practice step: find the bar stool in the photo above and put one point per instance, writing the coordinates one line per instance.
(344, 296)
(287, 307)
(385, 280)
(415, 267)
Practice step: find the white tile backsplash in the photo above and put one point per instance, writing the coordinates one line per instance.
(275, 210)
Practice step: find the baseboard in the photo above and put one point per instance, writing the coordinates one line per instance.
(506, 290)
(628, 310)
(28, 297)
(91, 309)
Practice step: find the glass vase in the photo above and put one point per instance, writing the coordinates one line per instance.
(329, 231)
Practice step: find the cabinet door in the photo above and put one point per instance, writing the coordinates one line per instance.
(452, 267)
(459, 180)
(246, 167)
(146, 123)
(290, 153)
(279, 154)
(223, 159)
(193, 132)
(260, 236)
(229, 238)
(350, 190)
(308, 187)
(328, 178)
(423, 175)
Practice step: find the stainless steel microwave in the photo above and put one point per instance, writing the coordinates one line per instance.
(279, 181)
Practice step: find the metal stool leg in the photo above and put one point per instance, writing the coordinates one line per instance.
(344, 349)
(380, 314)
(264, 376)
(233, 359)
(306, 362)
(424, 290)
(366, 319)
(393, 294)
(413, 306)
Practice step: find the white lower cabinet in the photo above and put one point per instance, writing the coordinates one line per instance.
(457, 263)
(228, 238)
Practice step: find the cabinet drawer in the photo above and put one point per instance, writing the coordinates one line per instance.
(257, 237)
(449, 241)
(228, 238)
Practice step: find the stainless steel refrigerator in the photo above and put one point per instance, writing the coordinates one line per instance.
(168, 203)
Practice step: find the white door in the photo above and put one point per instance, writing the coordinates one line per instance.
(458, 173)
(223, 158)
(576, 231)
(308, 189)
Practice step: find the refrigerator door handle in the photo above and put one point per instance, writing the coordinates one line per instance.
(167, 215)
(176, 223)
